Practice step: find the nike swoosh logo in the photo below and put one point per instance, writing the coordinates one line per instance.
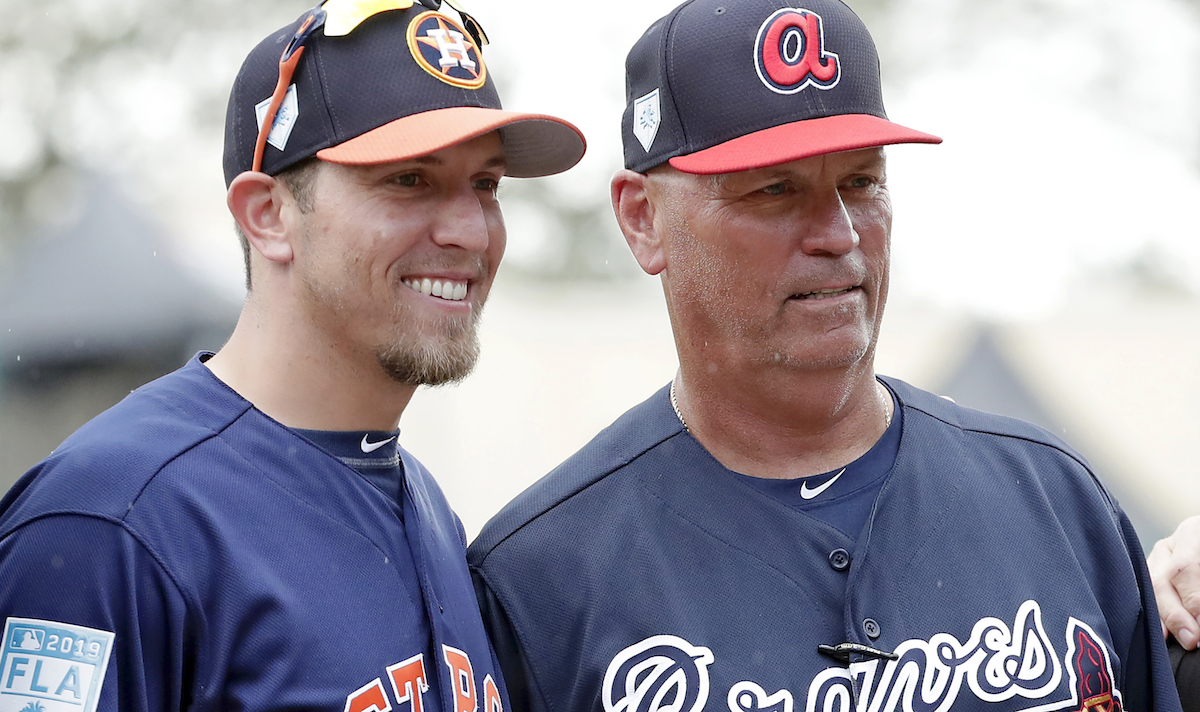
(807, 493)
(372, 447)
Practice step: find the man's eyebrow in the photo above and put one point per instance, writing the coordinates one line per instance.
(877, 158)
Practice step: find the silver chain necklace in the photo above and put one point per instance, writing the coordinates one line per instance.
(885, 393)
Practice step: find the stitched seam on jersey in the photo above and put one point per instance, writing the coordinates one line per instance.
(1012, 436)
(301, 500)
(123, 526)
(517, 630)
(212, 433)
(681, 515)
(1101, 490)
(578, 490)
(150, 479)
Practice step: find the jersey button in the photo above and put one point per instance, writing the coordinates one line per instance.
(871, 628)
(839, 559)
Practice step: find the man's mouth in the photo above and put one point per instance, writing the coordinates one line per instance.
(823, 293)
(448, 289)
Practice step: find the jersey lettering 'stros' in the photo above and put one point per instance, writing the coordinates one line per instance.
(446, 51)
(666, 673)
(660, 674)
(409, 685)
(790, 53)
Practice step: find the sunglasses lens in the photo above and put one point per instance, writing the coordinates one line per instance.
(345, 15)
(474, 29)
(314, 19)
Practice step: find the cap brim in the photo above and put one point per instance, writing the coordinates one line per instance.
(797, 140)
(534, 144)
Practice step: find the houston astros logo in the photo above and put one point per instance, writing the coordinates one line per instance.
(663, 673)
(790, 54)
(446, 51)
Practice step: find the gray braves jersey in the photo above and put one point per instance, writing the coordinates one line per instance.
(993, 572)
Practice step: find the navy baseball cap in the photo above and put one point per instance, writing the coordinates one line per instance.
(719, 86)
(404, 83)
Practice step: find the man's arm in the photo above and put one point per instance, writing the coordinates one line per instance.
(506, 646)
(1175, 568)
(90, 616)
(1149, 676)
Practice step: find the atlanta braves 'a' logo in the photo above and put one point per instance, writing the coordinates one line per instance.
(790, 53)
(660, 674)
(446, 51)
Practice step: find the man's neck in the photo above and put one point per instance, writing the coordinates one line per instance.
(783, 424)
(304, 382)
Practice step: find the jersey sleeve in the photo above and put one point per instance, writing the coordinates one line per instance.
(507, 647)
(1149, 682)
(91, 619)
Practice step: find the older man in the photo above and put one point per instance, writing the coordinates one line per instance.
(779, 528)
(246, 533)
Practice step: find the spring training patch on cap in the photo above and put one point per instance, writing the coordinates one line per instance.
(790, 54)
(646, 117)
(446, 51)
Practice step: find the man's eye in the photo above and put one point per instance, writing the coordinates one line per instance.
(488, 184)
(774, 189)
(407, 180)
(862, 182)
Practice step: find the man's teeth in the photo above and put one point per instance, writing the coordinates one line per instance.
(446, 289)
(823, 293)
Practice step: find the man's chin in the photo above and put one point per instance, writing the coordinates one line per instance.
(429, 364)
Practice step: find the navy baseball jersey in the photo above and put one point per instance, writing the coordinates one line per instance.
(185, 551)
(993, 572)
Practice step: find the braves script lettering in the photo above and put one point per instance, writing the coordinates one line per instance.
(995, 664)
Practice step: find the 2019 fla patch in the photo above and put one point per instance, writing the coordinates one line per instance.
(46, 666)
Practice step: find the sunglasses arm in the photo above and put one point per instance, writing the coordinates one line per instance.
(287, 69)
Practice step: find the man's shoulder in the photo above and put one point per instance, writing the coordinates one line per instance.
(632, 435)
(941, 411)
(104, 466)
(935, 426)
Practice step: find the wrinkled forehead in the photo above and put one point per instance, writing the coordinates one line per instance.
(872, 159)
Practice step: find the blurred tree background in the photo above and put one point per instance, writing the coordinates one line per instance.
(128, 88)
(1072, 152)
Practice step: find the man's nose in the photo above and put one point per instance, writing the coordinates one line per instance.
(461, 222)
(831, 230)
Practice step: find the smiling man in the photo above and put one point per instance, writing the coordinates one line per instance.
(780, 528)
(246, 533)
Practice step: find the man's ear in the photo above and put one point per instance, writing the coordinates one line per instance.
(635, 216)
(257, 202)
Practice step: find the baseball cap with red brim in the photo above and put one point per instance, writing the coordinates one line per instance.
(719, 86)
(396, 81)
